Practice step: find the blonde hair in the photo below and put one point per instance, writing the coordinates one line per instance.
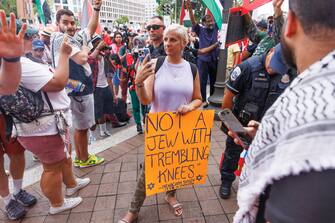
(181, 32)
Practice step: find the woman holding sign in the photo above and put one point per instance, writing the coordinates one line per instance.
(168, 84)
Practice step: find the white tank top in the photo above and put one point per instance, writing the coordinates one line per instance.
(173, 86)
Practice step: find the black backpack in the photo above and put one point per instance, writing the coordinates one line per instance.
(23, 105)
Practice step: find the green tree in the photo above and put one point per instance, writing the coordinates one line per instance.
(199, 9)
(9, 6)
(122, 20)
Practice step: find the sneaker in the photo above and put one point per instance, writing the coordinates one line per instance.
(139, 129)
(81, 183)
(35, 158)
(76, 162)
(15, 210)
(25, 198)
(92, 160)
(205, 104)
(68, 204)
(105, 134)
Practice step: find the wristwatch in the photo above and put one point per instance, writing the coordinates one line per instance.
(12, 59)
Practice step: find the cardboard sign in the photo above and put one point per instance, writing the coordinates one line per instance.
(249, 5)
(177, 148)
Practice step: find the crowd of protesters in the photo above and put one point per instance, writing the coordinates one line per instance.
(85, 78)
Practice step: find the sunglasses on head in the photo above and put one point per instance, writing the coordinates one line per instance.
(154, 27)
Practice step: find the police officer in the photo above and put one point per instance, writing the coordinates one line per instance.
(252, 88)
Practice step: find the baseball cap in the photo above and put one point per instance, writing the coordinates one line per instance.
(262, 24)
(38, 44)
(277, 63)
(31, 31)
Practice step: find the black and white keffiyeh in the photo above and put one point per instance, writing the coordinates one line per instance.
(297, 134)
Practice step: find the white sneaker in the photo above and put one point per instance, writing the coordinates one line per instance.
(81, 183)
(68, 204)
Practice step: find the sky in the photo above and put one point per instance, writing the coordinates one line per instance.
(267, 9)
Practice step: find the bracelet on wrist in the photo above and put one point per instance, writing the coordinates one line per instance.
(139, 85)
(12, 60)
(96, 9)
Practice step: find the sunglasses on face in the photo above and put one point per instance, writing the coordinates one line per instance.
(154, 27)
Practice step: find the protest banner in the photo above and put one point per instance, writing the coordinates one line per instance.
(249, 5)
(177, 148)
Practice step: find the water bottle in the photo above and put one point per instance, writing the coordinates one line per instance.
(74, 86)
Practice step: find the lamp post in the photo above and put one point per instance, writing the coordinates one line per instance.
(215, 100)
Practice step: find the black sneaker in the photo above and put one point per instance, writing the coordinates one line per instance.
(15, 210)
(139, 129)
(225, 190)
(25, 198)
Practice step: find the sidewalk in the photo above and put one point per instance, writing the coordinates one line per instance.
(107, 197)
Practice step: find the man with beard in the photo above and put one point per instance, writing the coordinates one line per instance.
(207, 63)
(82, 102)
(289, 172)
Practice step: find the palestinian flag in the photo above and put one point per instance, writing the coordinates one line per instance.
(249, 5)
(43, 11)
(185, 17)
(215, 7)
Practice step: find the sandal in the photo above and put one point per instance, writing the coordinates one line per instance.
(177, 207)
(126, 221)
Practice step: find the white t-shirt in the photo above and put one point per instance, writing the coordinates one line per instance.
(102, 80)
(76, 43)
(34, 77)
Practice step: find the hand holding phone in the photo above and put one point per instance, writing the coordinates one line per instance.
(144, 52)
(235, 127)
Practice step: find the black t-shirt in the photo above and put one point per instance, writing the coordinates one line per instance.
(306, 198)
(157, 52)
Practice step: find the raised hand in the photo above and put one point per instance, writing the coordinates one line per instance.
(277, 7)
(97, 4)
(188, 4)
(11, 45)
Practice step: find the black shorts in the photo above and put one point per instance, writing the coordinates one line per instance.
(103, 102)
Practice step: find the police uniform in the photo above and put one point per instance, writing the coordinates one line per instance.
(255, 92)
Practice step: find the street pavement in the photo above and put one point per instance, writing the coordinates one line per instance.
(107, 197)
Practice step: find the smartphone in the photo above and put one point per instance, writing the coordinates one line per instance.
(142, 53)
(235, 126)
